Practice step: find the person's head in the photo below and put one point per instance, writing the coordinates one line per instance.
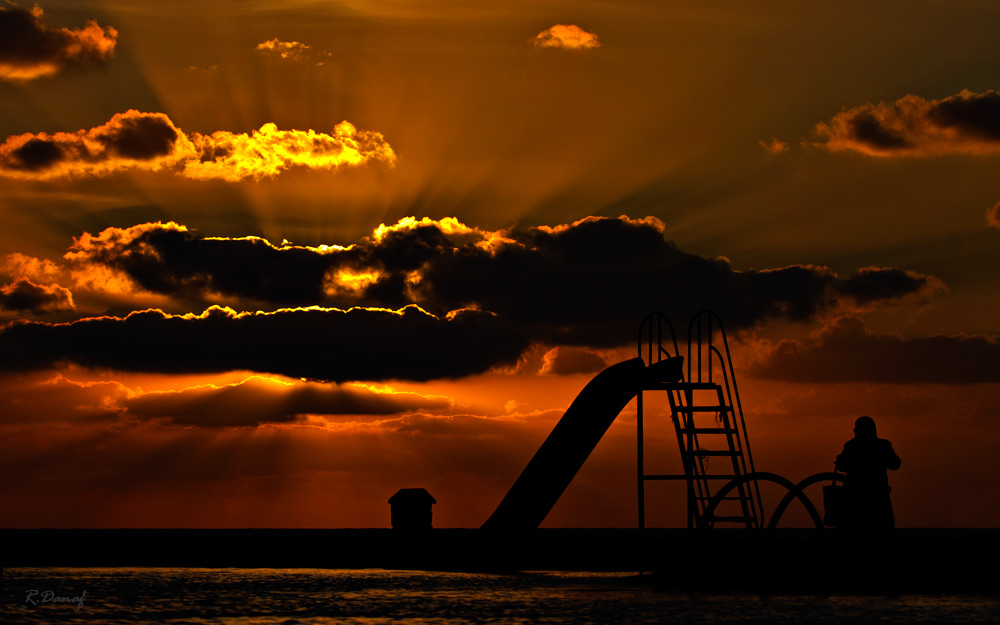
(864, 427)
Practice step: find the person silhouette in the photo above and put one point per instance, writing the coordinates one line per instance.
(866, 460)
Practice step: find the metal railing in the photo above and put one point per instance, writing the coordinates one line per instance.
(702, 338)
(704, 357)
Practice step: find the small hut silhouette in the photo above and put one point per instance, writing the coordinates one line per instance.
(410, 509)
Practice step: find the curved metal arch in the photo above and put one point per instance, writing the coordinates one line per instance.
(799, 490)
(794, 491)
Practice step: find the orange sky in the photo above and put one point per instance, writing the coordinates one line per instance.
(265, 264)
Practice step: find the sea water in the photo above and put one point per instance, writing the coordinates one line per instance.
(370, 596)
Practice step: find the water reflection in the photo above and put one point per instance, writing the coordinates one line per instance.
(318, 596)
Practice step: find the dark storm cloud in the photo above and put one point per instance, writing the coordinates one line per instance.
(867, 129)
(129, 140)
(170, 259)
(847, 351)
(873, 284)
(36, 154)
(23, 295)
(30, 49)
(328, 344)
(140, 137)
(261, 400)
(591, 282)
(586, 283)
(967, 123)
(969, 113)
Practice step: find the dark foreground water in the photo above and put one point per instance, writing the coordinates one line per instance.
(321, 596)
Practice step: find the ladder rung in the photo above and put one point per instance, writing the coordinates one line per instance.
(708, 431)
(682, 386)
(655, 476)
(705, 452)
(703, 409)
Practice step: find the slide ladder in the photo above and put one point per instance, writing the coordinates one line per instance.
(707, 415)
(711, 454)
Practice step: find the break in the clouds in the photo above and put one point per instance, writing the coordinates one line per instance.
(846, 350)
(259, 400)
(566, 36)
(30, 49)
(588, 283)
(318, 343)
(292, 51)
(570, 361)
(967, 123)
(172, 467)
(24, 296)
(151, 141)
(254, 401)
(46, 398)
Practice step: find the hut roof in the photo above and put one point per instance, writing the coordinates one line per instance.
(412, 495)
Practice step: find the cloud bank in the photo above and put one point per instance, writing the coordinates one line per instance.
(967, 123)
(565, 36)
(848, 351)
(416, 300)
(151, 141)
(581, 284)
(30, 49)
(317, 343)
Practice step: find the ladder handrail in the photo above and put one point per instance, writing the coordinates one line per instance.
(652, 327)
(653, 347)
(742, 440)
(729, 378)
(660, 350)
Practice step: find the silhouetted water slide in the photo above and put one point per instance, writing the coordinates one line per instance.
(557, 461)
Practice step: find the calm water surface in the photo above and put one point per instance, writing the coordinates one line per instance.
(320, 596)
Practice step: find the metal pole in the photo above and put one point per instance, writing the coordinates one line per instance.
(639, 469)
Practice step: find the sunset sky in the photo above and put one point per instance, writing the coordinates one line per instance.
(264, 263)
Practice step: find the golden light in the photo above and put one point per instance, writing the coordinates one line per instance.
(269, 151)
(348, 281)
